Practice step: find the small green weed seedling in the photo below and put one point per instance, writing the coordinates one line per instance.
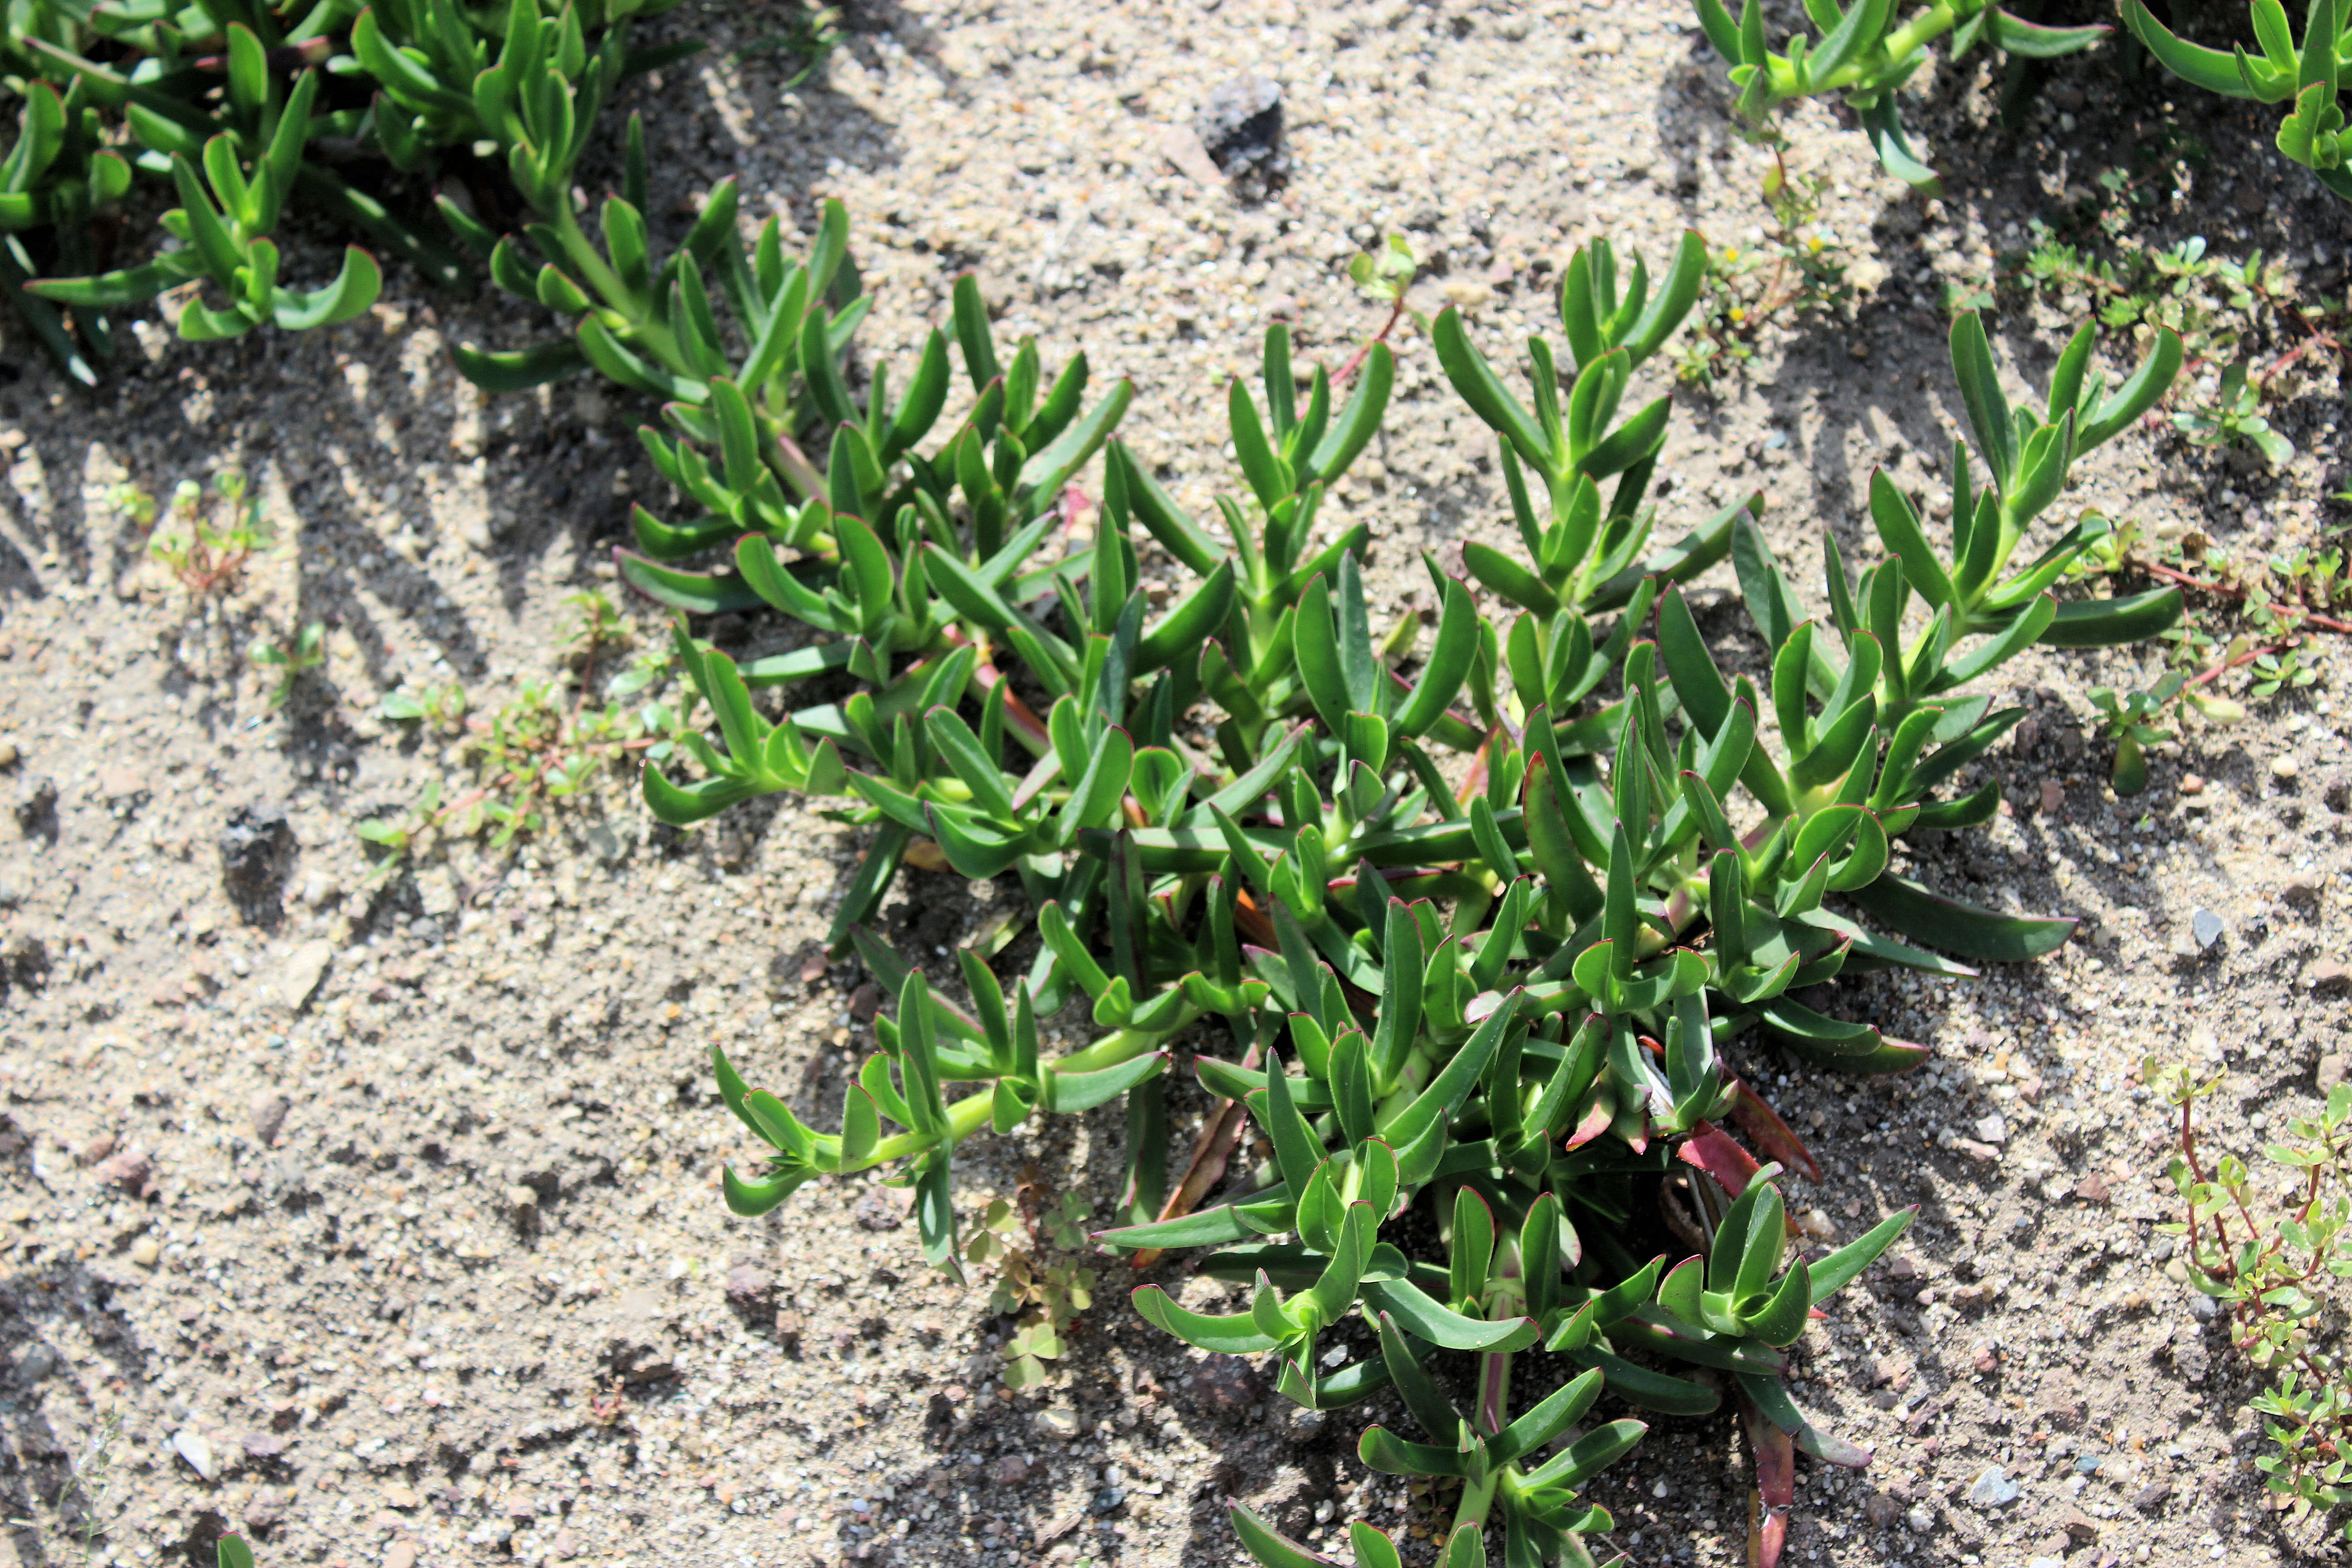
(89, 1502)
(2234, 416)
(807, 36)
(2274, 1247)
(2130, 722)
(1800, 269)
(1043, 1298)
(289, 658)
(205, 542)
(543, 748)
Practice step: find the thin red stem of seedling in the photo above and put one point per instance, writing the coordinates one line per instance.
(2308, 620)
(1364, 350)
(2248, 656)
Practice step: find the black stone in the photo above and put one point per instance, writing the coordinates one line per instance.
(257, 851)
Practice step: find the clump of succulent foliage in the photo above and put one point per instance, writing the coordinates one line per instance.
(1866, 54)
(365, 115)
(1477, 906)
(2305, 75)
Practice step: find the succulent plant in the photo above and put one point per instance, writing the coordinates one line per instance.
(227, 101)
(2306, 74)
(1862, 53)
(1476, 918)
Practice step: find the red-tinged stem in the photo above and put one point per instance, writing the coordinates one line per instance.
(1211, 1153)
(2248, 656)
(2309, 620)
(985, 672)
(797, 468)
(1506, 1297)
(1364, 351)
(1776, 1486)
(1474, 781)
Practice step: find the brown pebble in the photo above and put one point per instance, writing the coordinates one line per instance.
(1012, 1471)
(269, 1116)
(748, 1283)
(130, 1171)
(2192, 784)
(97, 1149)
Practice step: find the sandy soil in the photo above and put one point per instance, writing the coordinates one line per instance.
(375, 1217)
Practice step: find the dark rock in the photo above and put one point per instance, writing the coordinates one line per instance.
(257, 851)
(876, 1211)
(2330, 978)
(2336, 793)
(2151, 1497)
(269, 1116)
(37, 803)
(1239, 125)
(1227, 1383)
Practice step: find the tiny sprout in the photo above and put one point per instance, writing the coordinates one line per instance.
(306, 652)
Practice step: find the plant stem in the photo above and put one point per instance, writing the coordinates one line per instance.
(1364, 350)
(2308, 620)
(2248, 656)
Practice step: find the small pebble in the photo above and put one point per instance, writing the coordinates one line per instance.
(146, 1252)
(190, 1445)
(1991, 1489)
(2206, 927)
(2192, 784)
